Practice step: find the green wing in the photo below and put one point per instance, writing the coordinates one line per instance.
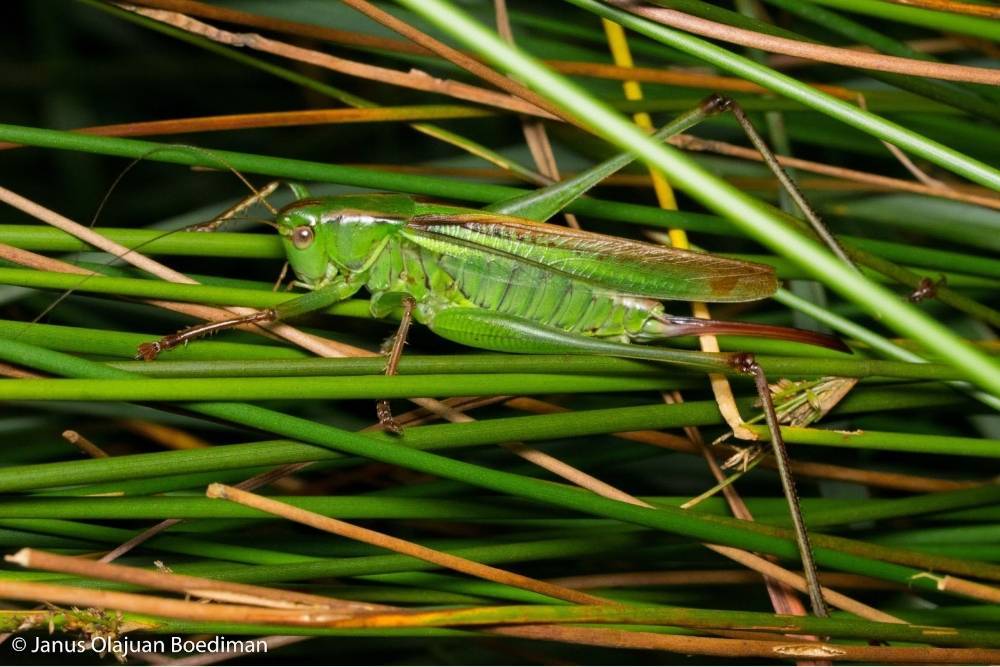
(627, 267)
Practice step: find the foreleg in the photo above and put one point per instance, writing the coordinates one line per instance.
(321, 298)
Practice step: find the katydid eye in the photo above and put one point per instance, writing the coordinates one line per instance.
(302, 237)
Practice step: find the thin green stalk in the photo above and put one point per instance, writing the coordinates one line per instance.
(159, 484)
(199, 507)
(718, 195)
(503, 364)
(304, 170)
(877, 342)
(227, 294)
(908, 507)
(883, 441)
(293, 388)
(989, 534)
(171, 543)
(245, 245)
(926, 18)
(209, 359)
(930, 258)
(369, 386)
(487, 591)
(447, 509)
(223, 244)
(882, 104)
(150, 289)
(397, 453)
(107, 343)
(434, 437)
(926, 561)
(914, 281)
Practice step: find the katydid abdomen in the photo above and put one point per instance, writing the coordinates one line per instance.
(439, 281)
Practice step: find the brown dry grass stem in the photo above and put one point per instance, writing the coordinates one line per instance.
(930, 45)
(84, 445)
(414, 79)
(742, 648)
(199, 587)
(535, 135)
(965, 587)
(315, 344)
(466, 62)
(953, 7)
(830, 54)
(169, 437)
(306, 30)
(168, 607)
(381, 540)
(10, 371)
(416, 42)
(679, 78)
(43, 263)
(365, 41)
(313, 617)
(302, 118)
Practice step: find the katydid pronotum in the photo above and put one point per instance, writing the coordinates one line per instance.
(502, 279)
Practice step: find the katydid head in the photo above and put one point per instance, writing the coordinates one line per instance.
(327, 236)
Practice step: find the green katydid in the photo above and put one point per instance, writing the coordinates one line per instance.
(503, 279)
(501, 282)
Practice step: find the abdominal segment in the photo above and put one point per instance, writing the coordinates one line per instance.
(512, 287)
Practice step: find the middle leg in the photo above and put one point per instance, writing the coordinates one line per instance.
(393, 352)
